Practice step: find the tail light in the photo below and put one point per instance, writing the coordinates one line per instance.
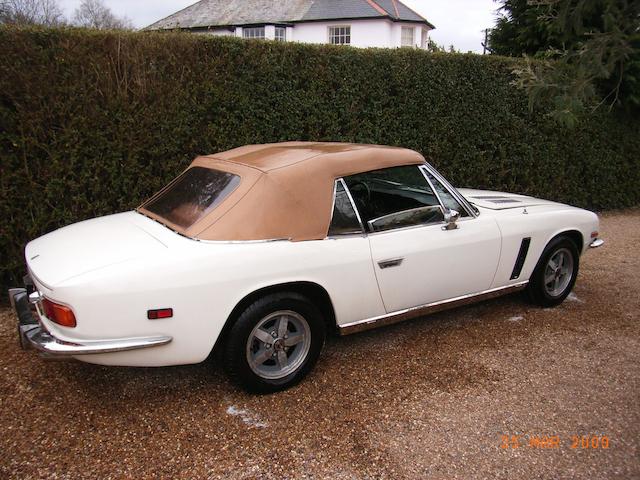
(59, 313)
(160, 313)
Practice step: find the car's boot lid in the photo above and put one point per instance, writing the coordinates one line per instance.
(90, 245)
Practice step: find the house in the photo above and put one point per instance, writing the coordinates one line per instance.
(360, 23)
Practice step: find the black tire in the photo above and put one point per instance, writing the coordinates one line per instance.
(237, 348)
(537, 291)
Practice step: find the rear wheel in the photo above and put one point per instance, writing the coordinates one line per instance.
(556, 273)
(274, 343)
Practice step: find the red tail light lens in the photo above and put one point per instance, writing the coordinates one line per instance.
(160, 313)
(59, 313)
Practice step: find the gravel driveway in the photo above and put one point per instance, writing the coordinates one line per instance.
(432, 398)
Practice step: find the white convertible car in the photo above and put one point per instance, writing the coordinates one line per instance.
(262, 249)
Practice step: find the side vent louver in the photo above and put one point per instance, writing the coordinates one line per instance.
(522, 256)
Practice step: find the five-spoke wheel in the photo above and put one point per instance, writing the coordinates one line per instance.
(555, 274)
(274, 343)
(558, 272)
(278, 344)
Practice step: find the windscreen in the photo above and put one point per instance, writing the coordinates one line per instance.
(192, 195)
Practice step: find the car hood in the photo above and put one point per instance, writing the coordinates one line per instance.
(91, 245)
(500, 200)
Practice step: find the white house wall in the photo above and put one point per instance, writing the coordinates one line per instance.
(364, 33)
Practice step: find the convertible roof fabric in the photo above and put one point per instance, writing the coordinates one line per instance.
(286, 189)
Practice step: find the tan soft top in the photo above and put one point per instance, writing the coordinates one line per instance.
(286, 189)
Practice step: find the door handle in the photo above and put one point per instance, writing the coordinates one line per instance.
(392, 262)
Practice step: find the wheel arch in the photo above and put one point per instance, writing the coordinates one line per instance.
(313, 291)
(572, 234)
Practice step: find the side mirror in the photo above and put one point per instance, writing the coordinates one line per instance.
(451, 217)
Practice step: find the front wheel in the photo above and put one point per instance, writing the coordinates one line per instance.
(556, 273)
(274, 343)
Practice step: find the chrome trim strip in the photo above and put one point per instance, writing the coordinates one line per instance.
(422, 169)
(429, 308)
(45, 342)
(421, 225)
(35, 297)
(340, 236)
(353, 204)
(458, 196)
(410, 227)
(597, 242)
(371, 222)
(233, 242)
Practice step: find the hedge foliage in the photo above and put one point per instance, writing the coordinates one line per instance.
(92, 123)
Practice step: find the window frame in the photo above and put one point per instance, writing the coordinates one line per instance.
(246, 30)
(363, 231)
(170, 223)
(424, 39)
(280, 38)
(366, 229)
(371, 222)
(423, 168)
(473, 212)
(331, 28)
(404, 29)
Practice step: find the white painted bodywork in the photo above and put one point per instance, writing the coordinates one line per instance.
(436, 262)
(111, 270)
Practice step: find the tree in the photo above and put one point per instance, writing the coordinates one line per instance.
(588, 53)
(434, 47)
(31, 12)
(95, 14)
(522, 29)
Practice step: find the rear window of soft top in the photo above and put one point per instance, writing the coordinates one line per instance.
(192, 195)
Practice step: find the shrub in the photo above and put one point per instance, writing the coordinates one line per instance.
(92, 123)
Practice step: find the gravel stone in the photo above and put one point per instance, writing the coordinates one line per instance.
(430, 398)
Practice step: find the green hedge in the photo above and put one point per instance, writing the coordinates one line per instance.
(92, 123)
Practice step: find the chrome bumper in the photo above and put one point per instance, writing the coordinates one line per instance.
(596, 242)
(33, 335)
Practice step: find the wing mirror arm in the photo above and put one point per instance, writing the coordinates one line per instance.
(451, 217)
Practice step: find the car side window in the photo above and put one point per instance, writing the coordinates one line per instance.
(394, 197)
(344, 220)
(448, 200)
